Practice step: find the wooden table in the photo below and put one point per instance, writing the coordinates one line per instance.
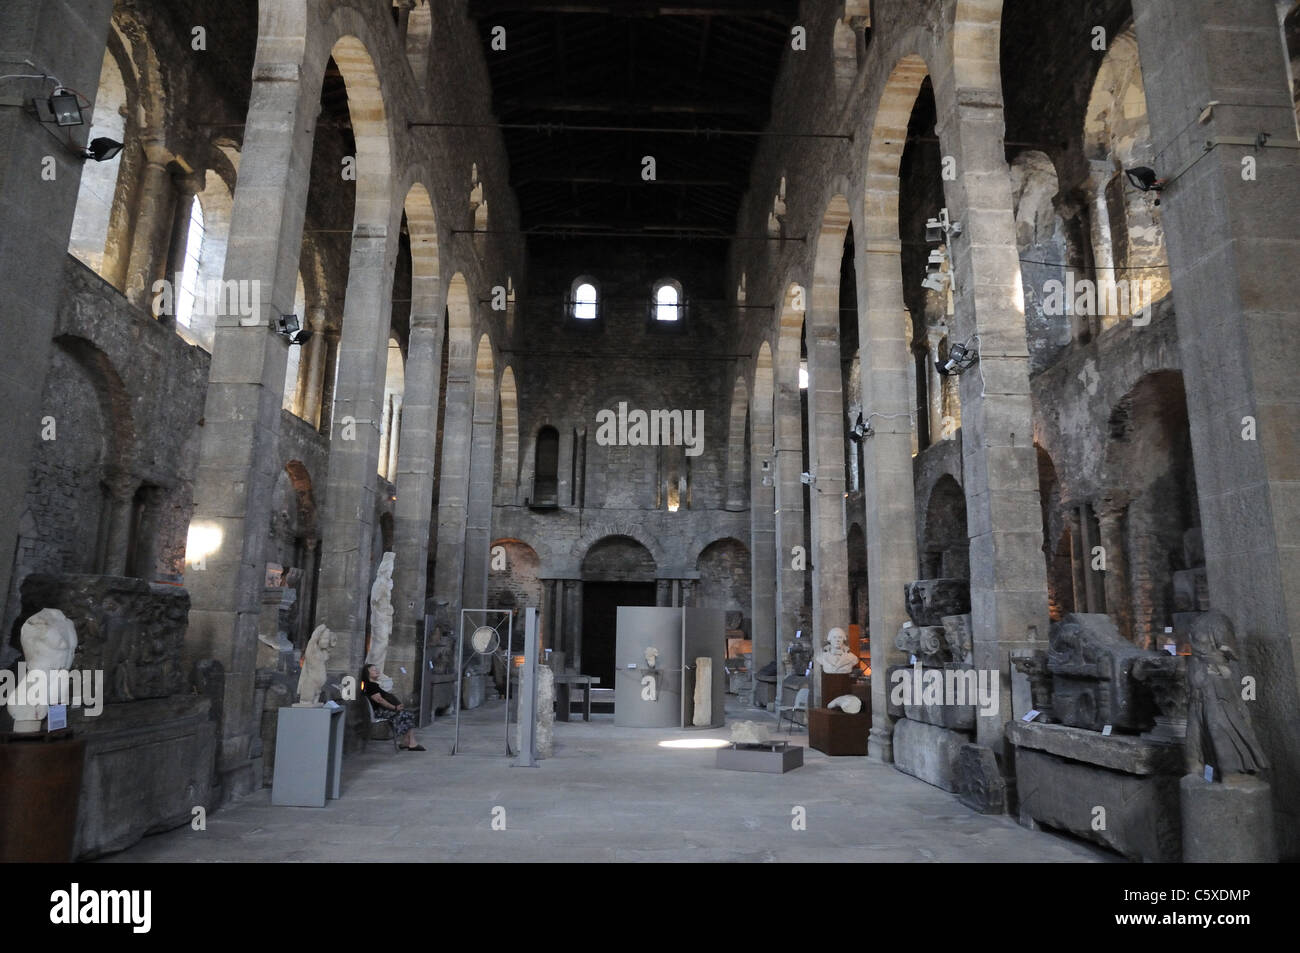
(563, 681)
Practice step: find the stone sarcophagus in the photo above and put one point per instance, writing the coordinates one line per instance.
(1093, 683)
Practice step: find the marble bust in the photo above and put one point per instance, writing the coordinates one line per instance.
(49, 641)
(314, 658)
(836, 659)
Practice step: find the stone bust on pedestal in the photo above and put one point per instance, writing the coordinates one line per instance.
(836, 659)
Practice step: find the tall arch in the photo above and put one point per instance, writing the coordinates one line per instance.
(418, 444)
(888, 493)
(826, 419)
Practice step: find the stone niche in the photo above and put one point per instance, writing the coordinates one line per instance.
(150, 752)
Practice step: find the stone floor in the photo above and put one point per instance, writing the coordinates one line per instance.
(608, 794)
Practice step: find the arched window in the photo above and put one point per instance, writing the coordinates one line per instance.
(668, 301)
(546, 465)
(185, 297)
(585, 300)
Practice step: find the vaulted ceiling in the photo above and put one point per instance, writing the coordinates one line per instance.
(584, 91)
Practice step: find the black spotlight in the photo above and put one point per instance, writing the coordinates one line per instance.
(959, 359)
(103, 149)
(1145, 179)
(291, 327)
(66, 108)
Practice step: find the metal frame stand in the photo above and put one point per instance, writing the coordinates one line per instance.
(506, 617)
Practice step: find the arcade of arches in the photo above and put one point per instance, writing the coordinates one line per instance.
(905, 347)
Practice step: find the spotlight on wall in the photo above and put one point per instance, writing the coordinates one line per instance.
(938, 229)
(66, 108)
(960, 360)
(807, 479)
(1144, 179)
(861, 430)
(291, 327)
(936, 281)
(102, 149)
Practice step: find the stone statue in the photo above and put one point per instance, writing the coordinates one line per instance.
(312, 678)
(651, 655)
(837, 659)
(49, 641)
(1219, 730)
(851, 704)
(381, 612)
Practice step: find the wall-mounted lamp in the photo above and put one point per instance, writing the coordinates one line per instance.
(1144, 180)
(291, 327)
(861, 430)
(102, 149)
(65, 106)
(938, 229)
(960, 359)
(807, 479)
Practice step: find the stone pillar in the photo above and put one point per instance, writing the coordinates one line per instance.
(453, 487)
(394, 440)
(1115, 581)
(311, 379)
(404, 8)
(478, 513)
(35, 226)
(1231, 241)
(416, 454)
(789, 517)
(351, 491)
(762, 536)
(239, 453)
(829, 551)
(150, 238)
(887, 485)
(573, 621)
(121, 489)
(663, 592)
(999, 463)
(934, 382)
(328, 380)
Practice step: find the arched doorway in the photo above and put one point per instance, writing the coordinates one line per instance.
(617, 571)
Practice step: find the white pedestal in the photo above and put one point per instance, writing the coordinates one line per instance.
(308, 756)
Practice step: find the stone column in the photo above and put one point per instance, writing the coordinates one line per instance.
(151, 235)
(416, 455)
(789, 516)
(69, 39)
(404, 8)
(829, 551)
(934, 382)
(573, 621)
(1115, 581)
(328, 381)
(394, 440)
(121, 504)
(887, 485)
(351, 491)
(239, 453)
(762, 535)
(1232, 241)
(478, 512)
(999, 464)
(663, 592)
(453, 487)
(307, 400)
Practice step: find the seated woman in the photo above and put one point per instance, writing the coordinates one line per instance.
(387, 707)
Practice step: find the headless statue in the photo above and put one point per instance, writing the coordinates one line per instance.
(1219, 730)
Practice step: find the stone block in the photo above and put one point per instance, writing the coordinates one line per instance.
(1191, 590)
(1092, 683)
(1138, 816)
(1193, 547)
(1128, 753)
(980, 785)
(148, 764)
(761, 760)
(928, 752)
(929, 600)
(1229, 822)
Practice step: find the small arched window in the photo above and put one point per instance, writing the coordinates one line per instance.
(585, 300)
(668, 301)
